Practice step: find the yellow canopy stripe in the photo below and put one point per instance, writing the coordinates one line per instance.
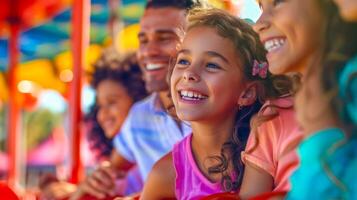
(64, 61)
(41, 72)
(3, 88)
(127, 39)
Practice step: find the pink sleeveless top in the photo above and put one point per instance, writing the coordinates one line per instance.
(190, 183)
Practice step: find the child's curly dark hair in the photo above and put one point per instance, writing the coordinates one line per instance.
(124, 71)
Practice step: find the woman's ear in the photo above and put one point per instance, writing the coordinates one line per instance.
(249, 95)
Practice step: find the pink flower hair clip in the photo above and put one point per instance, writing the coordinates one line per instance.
(260, 69)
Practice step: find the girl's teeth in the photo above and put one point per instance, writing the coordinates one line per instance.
(189, 95)
(184, 93)
(153, 66)
(273, 44)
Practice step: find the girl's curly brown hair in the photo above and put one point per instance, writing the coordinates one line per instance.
(340, 46)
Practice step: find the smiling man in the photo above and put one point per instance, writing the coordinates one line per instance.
(149, 132)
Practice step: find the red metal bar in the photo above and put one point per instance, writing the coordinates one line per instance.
(13, 123)
(80, 39)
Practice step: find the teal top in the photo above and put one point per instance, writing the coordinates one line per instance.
(348, 90)
(328, 160)
(311, 180)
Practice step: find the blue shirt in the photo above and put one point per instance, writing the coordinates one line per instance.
(147, 134)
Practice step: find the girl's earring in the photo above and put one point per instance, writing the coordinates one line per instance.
(240, 107)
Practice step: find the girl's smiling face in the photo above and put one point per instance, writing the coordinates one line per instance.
(291, 32)
(207, 78)
(114, 104)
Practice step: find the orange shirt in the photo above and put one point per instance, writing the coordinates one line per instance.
(272, 147)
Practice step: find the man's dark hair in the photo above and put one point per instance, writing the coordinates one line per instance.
(179, 4)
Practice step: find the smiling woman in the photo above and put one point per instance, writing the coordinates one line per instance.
(291, 32)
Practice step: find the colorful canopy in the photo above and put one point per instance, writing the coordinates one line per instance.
(50, 36)
(45, 40)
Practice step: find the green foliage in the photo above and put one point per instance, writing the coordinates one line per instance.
(39, 125)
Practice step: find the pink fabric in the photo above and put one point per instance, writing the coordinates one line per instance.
(4, 160)
(190, 182)
(276, 148)
(52, 150)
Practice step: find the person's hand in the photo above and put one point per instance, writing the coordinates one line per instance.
(125, 198)
(135, 196)
(100, 183)
(58, 190)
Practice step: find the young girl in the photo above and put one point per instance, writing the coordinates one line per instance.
(292, 39)
(118, 84)
(328, 154)
(218, 83)
(290, 31)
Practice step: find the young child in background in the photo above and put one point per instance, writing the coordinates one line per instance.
(218, 82)
(118, 85)
(329, 154)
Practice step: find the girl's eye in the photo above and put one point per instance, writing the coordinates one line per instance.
(276, 2)
(213, 66)
(165, 38)
(143, 40)
(183, 62)
(112, 103)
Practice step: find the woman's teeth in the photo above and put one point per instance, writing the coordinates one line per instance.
(273, 44)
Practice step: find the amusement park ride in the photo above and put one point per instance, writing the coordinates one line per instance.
(18, 16)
